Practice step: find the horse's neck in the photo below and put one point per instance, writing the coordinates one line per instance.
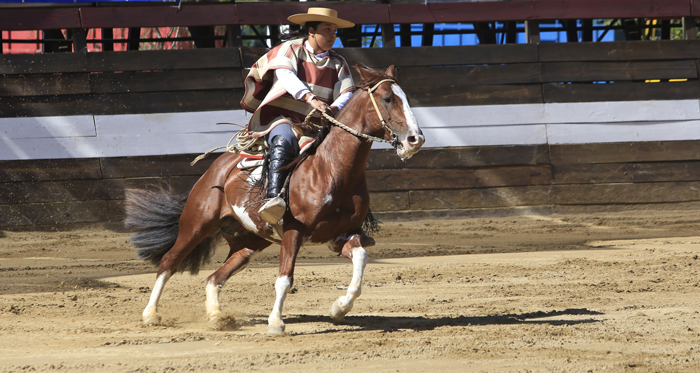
(345, 152)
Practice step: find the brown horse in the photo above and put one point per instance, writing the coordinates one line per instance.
(328, 202)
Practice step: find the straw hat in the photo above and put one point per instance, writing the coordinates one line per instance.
(320, 15)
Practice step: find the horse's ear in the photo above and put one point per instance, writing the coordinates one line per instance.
(391, 71)
(364, 71)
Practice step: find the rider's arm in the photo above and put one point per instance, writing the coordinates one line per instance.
(291, 83)
(341, 100)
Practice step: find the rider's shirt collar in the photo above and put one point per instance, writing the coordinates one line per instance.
(311, 50)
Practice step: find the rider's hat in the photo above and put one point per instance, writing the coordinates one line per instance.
(320, 15)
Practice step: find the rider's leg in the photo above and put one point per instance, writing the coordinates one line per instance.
(283, 149)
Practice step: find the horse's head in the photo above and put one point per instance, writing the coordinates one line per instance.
(392, 110)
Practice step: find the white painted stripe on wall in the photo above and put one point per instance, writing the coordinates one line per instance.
(481, 136)
(47, 127)
(623, 132)
(169, 123)
(119, 146)
(196, 132)
(585, 112)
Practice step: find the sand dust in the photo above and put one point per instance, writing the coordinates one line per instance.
(560, 293)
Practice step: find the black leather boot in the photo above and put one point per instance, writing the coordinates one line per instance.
(281, 153)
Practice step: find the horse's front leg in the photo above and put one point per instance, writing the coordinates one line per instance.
(352, 249)
(291, 242)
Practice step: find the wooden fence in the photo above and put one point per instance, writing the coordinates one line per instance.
(440, 181)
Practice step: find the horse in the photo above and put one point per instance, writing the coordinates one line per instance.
(328, 202)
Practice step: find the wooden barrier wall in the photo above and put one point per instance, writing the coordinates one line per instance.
(443, 180)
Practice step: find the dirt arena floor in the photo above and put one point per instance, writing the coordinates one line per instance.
(614, 291)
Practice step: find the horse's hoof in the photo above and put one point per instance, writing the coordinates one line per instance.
(273, 330)
(152, 320)
(222, 323)
(338, 313)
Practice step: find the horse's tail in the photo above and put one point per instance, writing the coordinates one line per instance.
(154, 217)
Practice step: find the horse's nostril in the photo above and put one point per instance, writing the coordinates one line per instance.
(415, 140)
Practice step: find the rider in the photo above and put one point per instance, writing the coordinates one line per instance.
(288, 82)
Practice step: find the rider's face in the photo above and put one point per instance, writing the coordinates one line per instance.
(323, 36)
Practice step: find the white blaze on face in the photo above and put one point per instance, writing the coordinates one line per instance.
(407, 112)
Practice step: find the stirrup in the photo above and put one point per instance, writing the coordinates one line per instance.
(273, 210)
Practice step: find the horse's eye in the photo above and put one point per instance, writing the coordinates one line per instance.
(386, 99)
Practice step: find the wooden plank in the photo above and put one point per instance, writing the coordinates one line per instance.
(155, 166)
(625, 172)
(633, 193)
(176, 80)
(489, 11)
(573, 9)
(617, 71)
(620, 51)
(412, 179)
(608, 112)
(479, 198)
(52, 214)
(42, 63)
(557, 113)
(471, 75)
(436, 56)
(84, 190)
(42, 85)
(113, 146)
(47, 127)
(157, 124)
(624, 91)
(276, 14)
(388, 201)
(186, 14)
(623, 132)
(121, 103)
(39, 18)
(208, 58)
(462, 157)
(481, 157)
(476, 95)
(49, 170)
(654, 151)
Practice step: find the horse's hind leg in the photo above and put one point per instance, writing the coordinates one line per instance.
(199, 220)
(353, 250)
(243, 248)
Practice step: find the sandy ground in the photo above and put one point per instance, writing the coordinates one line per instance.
(560, 293)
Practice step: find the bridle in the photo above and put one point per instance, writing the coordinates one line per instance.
(394, 139)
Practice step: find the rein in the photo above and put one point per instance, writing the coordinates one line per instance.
(394, 139)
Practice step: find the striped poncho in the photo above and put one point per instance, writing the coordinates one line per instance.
(327, 78)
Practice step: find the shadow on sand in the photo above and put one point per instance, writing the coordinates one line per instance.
(420, 323)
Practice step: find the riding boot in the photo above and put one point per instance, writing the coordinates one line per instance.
(281, 153)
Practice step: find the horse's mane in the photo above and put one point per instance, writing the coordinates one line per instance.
(375, 76)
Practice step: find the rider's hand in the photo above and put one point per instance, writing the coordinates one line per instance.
(320, 106)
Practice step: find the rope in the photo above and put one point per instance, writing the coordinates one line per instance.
(243, 142)
(394, 142)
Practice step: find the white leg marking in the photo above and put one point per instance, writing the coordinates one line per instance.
(343, 304)
(212, 302)
(245, 219)
(274, 322)
(150, 314)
